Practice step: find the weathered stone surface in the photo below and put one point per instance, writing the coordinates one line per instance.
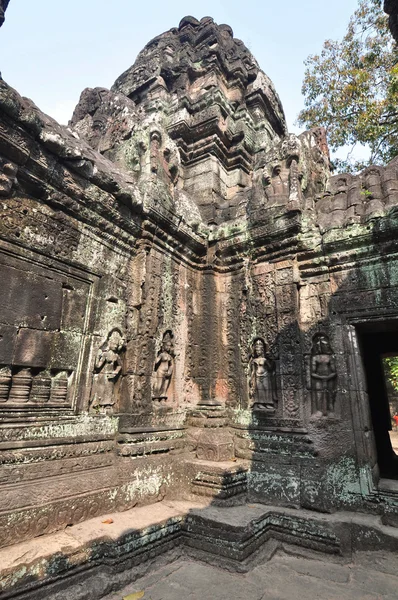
(191, 119)
(113, 550)
(283, 577)
(191, 304)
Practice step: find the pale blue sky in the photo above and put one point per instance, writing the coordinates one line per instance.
(50, 50)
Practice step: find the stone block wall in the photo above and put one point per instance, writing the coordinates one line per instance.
(186, 289)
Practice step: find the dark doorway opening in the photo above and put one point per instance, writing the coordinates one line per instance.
(390, 369)
(379, 343)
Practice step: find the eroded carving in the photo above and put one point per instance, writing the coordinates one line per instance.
(323, 377)
(59, 387)
(188, 168)
(5, 382)
(262, 384)
(41, 387)
(8, 173)
(27, 385)
(164, 367)
(21, 385)
(108, 366)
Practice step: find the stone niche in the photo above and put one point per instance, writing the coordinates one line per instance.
(191, 306)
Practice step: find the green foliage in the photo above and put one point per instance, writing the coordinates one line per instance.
(390, 364)
(351, 88)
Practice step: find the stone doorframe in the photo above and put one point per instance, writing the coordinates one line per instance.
(359, 399)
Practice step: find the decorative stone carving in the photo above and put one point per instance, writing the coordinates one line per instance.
(163, 159)
(323, 377)
(21, 385)
(59, 387)
(5, 383)
(225, 485)
(108, 365)
(8, 172)
(164, 367)
(110, 218)
(41, 387)
(37, 386)
(262, 384)
(280, 185)
(290, 150)
(215, 445)
(155, 143)
(278, 174)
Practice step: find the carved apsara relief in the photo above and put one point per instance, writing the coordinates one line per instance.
(164, 368)
(323, 377)
(262, 381)
(108, 367)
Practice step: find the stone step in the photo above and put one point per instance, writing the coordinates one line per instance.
(106, 553)
(221, 481)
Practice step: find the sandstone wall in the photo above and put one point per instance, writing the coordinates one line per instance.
(177, 269)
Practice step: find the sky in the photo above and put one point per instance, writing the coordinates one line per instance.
(50, 50)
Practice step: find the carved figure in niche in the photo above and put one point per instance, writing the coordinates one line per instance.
(323, 376)
(164, 159)
(291, 151)
(290, 148)
(108, 366)
(164, 367)
(8, 173)
(295, 186)
(155, 143)
(280, 185)
(261, 185)
(171, 164)
(262, 386)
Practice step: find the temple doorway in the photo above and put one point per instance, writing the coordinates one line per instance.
(390, 371)
(379, 346)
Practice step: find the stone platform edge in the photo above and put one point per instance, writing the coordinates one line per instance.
(107, 551)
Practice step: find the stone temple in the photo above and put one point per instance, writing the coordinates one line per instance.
(193, 313)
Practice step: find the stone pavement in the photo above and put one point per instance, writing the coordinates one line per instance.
(284, 577)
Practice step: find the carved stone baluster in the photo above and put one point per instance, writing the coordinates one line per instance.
(5, 383)
(21, 385)
(41, 388)
(59, 387)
